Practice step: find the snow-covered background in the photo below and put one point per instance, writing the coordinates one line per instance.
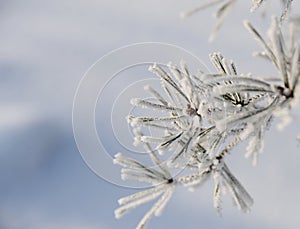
(45, 49)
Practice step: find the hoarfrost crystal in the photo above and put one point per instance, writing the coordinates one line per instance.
(202, 117)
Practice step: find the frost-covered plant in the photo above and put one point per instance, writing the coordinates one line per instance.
(224, 7)
(200, 119)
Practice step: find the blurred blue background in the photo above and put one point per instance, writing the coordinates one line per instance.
(45, 49)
